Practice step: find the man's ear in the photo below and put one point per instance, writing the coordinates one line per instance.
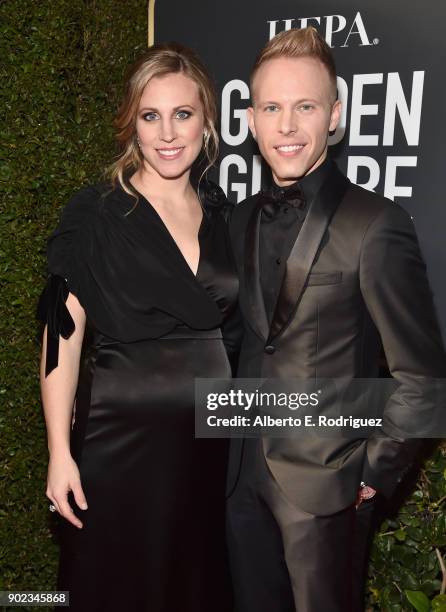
(250, 117)
(335, 116)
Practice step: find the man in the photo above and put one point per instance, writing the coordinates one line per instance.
(329, 271)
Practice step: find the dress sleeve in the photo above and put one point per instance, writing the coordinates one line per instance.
(66, 248)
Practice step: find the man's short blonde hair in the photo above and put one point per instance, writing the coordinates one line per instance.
(305, 42)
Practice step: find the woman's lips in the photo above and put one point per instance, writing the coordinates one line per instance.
(171, 153)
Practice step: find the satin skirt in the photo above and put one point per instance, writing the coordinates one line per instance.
(153, 537)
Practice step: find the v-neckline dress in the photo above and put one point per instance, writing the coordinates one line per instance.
(153, 536)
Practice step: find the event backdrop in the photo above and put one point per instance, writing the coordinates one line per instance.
(390, 62)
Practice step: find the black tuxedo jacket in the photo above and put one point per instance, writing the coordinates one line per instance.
(355, 278)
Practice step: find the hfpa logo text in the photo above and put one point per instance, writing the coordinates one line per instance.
(337, 30)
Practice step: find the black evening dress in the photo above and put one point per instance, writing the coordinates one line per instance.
(153, 534)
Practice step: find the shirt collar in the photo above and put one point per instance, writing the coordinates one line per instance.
(310, 183)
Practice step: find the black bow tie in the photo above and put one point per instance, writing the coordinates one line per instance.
(274, 198)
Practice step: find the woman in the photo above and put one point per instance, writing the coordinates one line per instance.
(142, 263)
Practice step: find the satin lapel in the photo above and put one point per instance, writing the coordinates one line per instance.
(305, 248)
(254, 296)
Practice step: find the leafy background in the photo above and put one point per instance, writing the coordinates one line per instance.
(62, 64)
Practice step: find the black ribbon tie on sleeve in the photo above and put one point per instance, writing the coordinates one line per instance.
(53, 311)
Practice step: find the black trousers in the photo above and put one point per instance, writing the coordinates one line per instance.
(286, 560)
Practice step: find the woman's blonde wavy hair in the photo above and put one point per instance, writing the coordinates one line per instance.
(160, 60)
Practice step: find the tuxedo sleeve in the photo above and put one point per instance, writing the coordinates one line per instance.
(396, 291)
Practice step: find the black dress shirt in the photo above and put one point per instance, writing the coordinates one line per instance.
(281, 220)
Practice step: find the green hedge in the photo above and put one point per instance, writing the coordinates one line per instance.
(408, 551)
(62, 64)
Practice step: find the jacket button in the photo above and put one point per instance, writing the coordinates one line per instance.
(270, 349)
